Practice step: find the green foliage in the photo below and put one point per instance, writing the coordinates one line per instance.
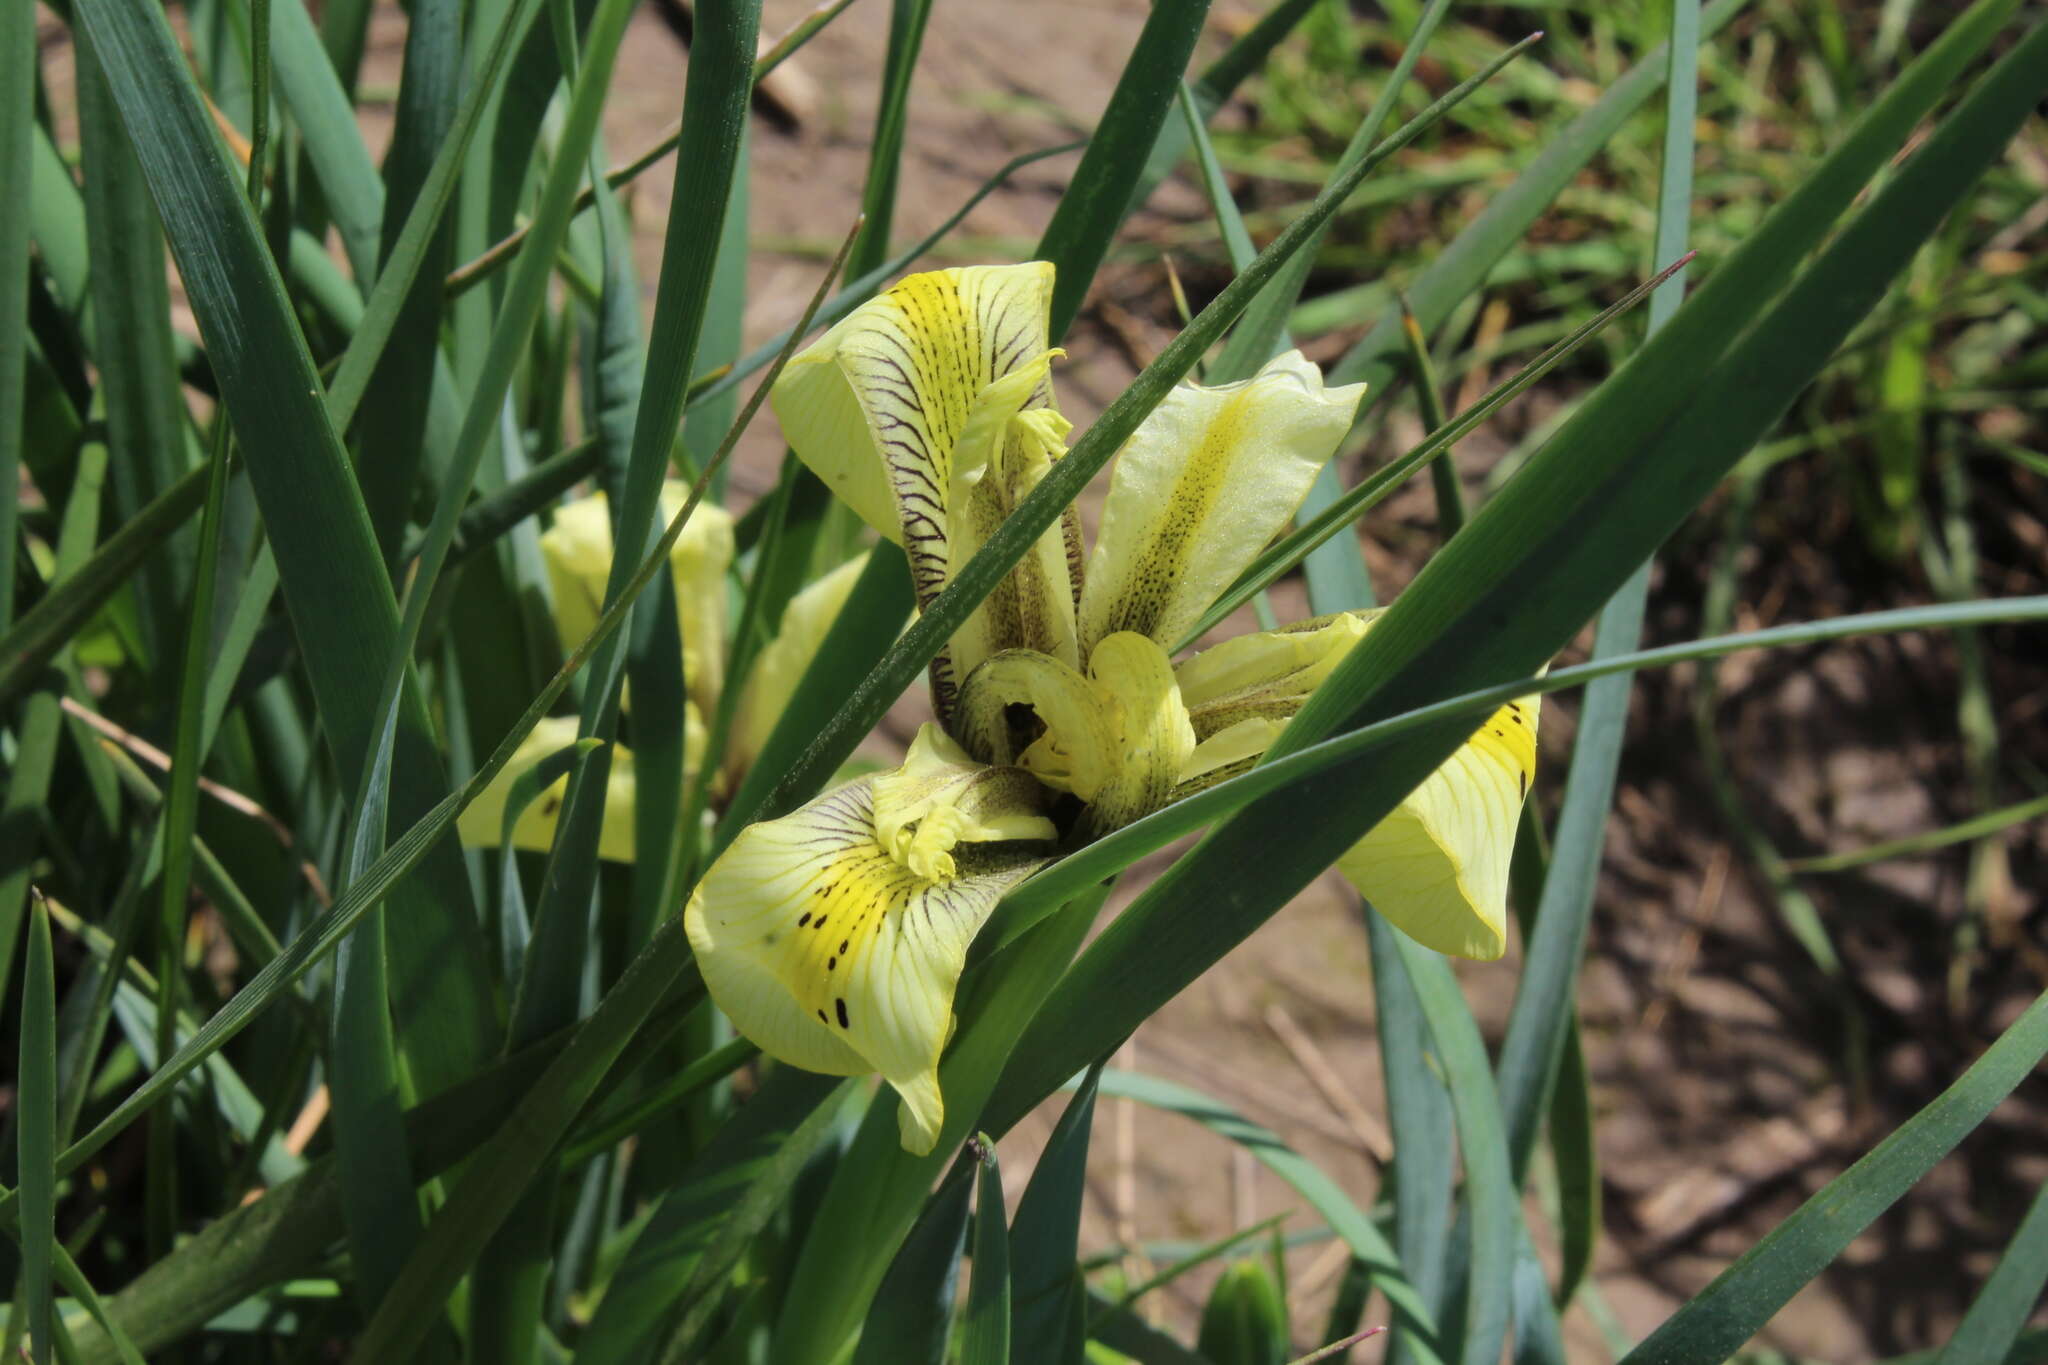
(300, 556)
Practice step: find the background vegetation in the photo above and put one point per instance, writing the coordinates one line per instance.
(298, 1078)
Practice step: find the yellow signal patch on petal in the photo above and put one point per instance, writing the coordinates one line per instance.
(834, 937)
(911, 403)
(1438, 866)
(1206, 481)
(1117, 737)
(481, 823)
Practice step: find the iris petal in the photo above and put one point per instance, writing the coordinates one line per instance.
(577, 549)
(1118, 738)
(827, 939)
(926, 411)
(1206, 481)
(481, 823)
(1437, 866)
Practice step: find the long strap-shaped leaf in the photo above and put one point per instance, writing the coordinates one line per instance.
(1544, 553)
(1743, 1297)
(333, 579)
(1309, 1180)
(714, 115)
(1099, 194)
(878, 1187)
(17, 143)
(1460, 267)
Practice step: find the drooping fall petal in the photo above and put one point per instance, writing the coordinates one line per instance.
(578, 552)
(1206, 481)
(1436, 867)
(834, 937)
(1117, 737)
(929, 411)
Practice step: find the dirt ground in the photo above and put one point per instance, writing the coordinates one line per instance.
(1720, 1056)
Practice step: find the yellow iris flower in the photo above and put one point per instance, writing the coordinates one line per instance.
(577, 549)
(834, 937)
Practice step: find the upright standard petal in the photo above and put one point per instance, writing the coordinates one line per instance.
(835, 936)
(1117, 738)
(1201, 487)
(929, 410)
(578, 551)
(481, 825)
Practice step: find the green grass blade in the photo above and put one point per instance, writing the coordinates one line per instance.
(45, 628)
(492, 515)
(718, 345)
(607, 1129)
(907, 20)
(36, 1132)
(1263, 330)
(307, 83)
(908, 656)
(1096, 199)
(878, 1187)
(1419, 1118)
(1634, 459)
(133, 350)
(1745, 1296)
(1990, 822)
(1992, 1327)
(391, 435)
(1489, 1187)
(17, 147)
(38, 729)
(1544, 1012)
(1578, 1171)
(1045, 1304)
(641, 1300)
(1463, 265)
(985, 1335)
(506, 1163)
(333, 580)
(912, 1315)
(181, 808)
(1219, 1249)
(1237, 243)
(1213, 89)
(1322, 1193)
